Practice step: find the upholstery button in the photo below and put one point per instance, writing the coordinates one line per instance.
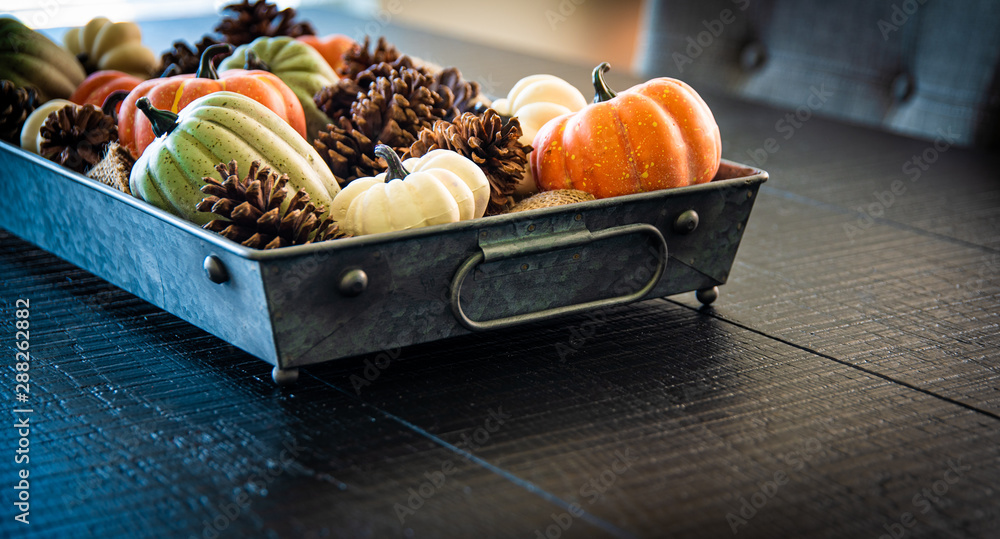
(752, 56)
(902, 87)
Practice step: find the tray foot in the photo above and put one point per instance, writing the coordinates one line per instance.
(707, 295)
(284, 377)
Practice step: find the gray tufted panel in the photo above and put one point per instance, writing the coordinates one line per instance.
(903, 65)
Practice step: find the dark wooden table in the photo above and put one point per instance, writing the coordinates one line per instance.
(845, 384)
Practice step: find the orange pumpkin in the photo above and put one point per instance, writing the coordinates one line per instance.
(174, 93)
(99, 85)
(656, 135)
(331, 48)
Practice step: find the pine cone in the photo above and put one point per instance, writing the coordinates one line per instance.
(246, 22)
(464, 92)
(16, 103)
(76, 137)
(336, 100)
(186, 59)
(252, 214)
(392, 111)
(359, 59)
(349, 152)
(490, 143)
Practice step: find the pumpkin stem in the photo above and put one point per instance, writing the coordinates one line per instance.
(206, 69)
(601, 91)
(395, 170)
(254, 62)
(162, 121)
(170, 71)
(110, 106)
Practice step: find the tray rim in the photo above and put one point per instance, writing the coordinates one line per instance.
(757, 175)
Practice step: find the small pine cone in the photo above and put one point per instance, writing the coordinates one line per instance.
(349, 152)
(16, 103)
(359, 58)
(488, 142)
(246, 22)
(76, 137)
(186, 59)
(464, 93)
(252, 214)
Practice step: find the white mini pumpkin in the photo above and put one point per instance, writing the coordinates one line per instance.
(441, 187)
(535, 100)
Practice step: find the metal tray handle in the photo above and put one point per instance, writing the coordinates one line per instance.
(532, 247)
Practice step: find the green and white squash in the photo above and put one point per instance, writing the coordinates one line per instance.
(218, 128)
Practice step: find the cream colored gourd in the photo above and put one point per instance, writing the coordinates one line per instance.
(535, 100)
(103, 45)
(440, 187)
(218, 128)
(31, 136)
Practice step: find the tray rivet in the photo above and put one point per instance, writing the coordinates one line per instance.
(215, 269)
(531, 228)
(750, 194)
(686, 222)
(353, 282)
(524, 267)
(576, 256)
(578, 217)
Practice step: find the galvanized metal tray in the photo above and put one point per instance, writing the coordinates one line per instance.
(308, 304)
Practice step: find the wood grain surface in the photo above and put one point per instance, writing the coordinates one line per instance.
(845, 384)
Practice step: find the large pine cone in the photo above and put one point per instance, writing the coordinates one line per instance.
(392, 111)
(246, 22)
(251, 209)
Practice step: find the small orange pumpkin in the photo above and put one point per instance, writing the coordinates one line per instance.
(99, 85)
(174, 93)
(331, 48)
(656, 135)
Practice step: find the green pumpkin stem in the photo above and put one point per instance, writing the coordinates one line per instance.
(110, 106)
(395, 170)
(254, 62)
(601, 91)
(206, 69)
(163, 121)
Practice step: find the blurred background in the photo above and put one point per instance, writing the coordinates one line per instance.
(914, 67)
(578, 31)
